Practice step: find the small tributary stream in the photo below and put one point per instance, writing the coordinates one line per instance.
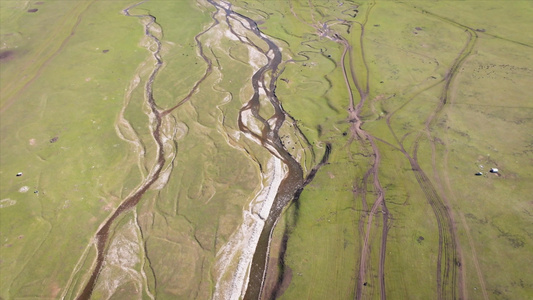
(102, 236)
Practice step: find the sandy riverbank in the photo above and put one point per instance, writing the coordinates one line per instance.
(234, 259)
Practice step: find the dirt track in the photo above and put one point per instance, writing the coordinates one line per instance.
(360, 80)
(264, 82)
(449, 256)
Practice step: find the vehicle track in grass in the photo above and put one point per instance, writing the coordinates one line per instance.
(464, 291)
(449, 258)
(359, 78)
(379, 206)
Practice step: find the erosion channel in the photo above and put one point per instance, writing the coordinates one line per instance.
(264, 83)
(102, 235)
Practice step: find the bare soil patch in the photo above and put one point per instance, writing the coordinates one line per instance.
(6, 55)
(287, 277)
(277, 282)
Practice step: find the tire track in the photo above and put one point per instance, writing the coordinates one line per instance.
(448, 262)
(464, 293)
(367, 141)
(449, 257)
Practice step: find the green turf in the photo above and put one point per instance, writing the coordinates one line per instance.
(68, 80)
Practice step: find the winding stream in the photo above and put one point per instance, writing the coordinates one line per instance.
(102, 236)
(263, 82)
(293, 182)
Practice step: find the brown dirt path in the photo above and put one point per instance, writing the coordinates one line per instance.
(449, 254)
(367, 141)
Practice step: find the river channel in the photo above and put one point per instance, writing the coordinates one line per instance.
(270, 139)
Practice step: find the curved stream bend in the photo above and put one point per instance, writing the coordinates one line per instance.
(102, 236)
(264, 82)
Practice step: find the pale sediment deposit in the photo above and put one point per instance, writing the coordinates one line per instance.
(234, 258)
(122, 258)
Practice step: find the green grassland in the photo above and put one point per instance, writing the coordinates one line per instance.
(74, 95)
(69, 78)
(485, 122)
(85, 174)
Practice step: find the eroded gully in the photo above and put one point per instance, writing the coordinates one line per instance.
(269, 138)
(263, 80)
(102, 236)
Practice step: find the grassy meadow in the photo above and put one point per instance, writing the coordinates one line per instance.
(60, 95)
(76, 123)
(409, 50)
